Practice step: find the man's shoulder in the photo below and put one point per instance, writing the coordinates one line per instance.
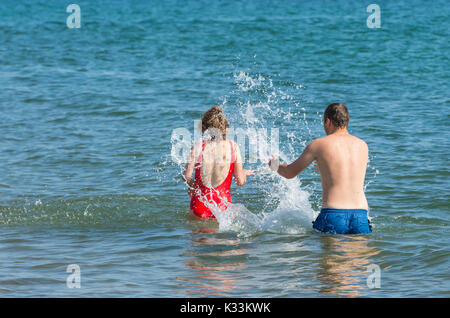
(316, 145)
(359, 145)
(360, 141)
(319, 141)
(326, 140)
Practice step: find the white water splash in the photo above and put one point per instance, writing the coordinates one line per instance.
(259, 106)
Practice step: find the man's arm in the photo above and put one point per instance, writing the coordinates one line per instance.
(292, 170)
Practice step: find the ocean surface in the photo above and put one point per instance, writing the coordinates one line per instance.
(88, 176)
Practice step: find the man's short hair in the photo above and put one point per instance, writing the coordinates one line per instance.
(338, 114)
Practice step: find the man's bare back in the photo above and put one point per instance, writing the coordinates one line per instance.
(342, 162)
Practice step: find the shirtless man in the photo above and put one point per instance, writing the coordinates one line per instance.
(342, 161)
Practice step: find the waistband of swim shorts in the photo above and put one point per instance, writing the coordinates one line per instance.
(327, 210)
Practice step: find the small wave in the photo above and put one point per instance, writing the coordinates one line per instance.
(101, 211)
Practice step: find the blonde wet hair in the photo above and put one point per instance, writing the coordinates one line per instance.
(215, 118)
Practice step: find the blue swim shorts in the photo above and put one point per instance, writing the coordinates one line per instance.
(343, 221)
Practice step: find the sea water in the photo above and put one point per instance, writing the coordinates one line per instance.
(88, 180)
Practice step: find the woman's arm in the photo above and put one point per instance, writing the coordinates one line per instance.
(188, 170)
(240, 174)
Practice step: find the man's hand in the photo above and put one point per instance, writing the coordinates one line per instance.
(274, 163)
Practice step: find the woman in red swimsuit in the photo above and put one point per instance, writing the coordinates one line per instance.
(215, 161)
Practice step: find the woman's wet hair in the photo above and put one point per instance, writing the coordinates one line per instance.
(215, 123)
(338, 114)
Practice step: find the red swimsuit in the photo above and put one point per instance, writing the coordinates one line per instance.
(218, 196)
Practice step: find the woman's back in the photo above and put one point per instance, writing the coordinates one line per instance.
(216, 162)
(213, 175)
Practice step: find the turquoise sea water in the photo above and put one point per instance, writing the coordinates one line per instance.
(87, 177)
